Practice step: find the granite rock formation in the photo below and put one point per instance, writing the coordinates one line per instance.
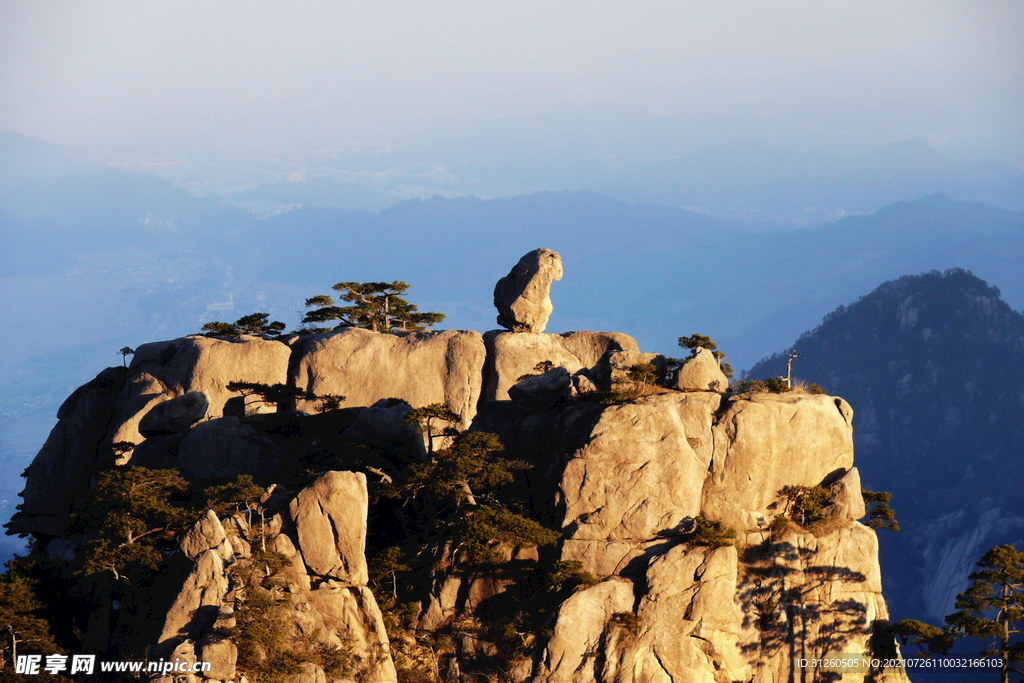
(630, 482)
(523, 297)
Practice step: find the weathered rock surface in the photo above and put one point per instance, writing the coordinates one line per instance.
(337, 614)
(636, 478)
(197, 604)
(162, 371)
(511, 355)
(383, 424)
(705, 616)
(579, 632)
(767, 441)
(701, 373)
(174, 415)
(638, 474)
(523, 297)
(207, 534)
(615, 367)
(466, 589)
(847, 496)
(418, 367)
(330, 521)
(623, 481)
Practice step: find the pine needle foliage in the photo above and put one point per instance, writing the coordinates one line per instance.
(992, 607)
(377, 306)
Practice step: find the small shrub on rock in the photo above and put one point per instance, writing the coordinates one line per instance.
(710, 533)
(804, 505)
(772, 385)
(568, 574)
(630, 621)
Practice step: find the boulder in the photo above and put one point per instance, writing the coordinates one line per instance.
(275, 500)
(206, 534)
(523, 297)
(141, 393)
(579, 632)
(383, 424)
(847, 496)
(709, 642)
(768, 441)
(511, 355)
(701, 373)
(615, 367)
(174, 415)
(542, 391)
(354, 614)
(165, 370)
(330, 522)
(197, 604)
(581, 384)
(218, 649)
(418, 367)
(635, 478)
(309, 673)
(156, 453)
(227, 447)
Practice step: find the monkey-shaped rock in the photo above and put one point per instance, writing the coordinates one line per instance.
(523, 296)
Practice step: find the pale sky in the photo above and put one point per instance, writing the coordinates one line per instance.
(290, 78)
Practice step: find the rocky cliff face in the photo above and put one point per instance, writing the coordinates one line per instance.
(675, 558)
(623, 481)
(934, 364)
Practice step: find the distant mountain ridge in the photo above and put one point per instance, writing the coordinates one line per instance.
(751, 181)
(933, 366)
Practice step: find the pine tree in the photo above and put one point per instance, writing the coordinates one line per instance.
(376, 306)
(132, 515)
(463, 485)
(254, 323)
(125, 351)
(23, 629)
(424, 417)
(993, 607)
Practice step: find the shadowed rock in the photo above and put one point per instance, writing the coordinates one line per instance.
(175, 415)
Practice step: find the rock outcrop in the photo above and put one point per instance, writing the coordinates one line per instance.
(666, 502)
(701, 373)
(330, 524)
(162, 371)
(175, 415)
(766, 441)
(60, 472)
(418, 367)
(320, 593)
(511, 355)
(523, 297)
(542, 391)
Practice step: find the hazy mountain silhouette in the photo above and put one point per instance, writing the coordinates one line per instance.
(755, 181)
(25, 158)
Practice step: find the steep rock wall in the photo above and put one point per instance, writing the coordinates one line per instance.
(420, 367)
(320, 597)
(624, 482)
